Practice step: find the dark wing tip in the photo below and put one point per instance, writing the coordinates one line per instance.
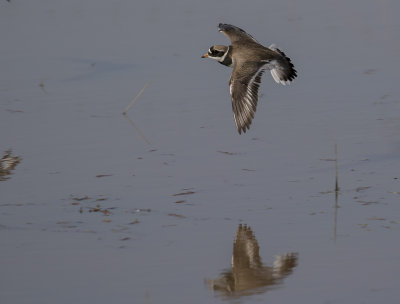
(243, 129)
(234, 33)
(229, 27)
(243, 117)
(222, 27)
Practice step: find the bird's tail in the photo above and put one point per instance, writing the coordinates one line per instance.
(282, 70)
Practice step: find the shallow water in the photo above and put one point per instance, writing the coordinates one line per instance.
(145, 208)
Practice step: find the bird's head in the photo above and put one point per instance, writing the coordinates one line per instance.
(217, 52)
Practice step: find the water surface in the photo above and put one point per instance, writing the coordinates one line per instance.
(93, 210)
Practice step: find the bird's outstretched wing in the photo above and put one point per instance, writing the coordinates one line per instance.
(243, 86)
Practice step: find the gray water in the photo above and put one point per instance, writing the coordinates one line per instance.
(97, 207)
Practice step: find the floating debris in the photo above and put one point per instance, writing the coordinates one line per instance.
(375, 218)
(176, 215)
(105, 211)
(14, 111)
(81, 198)
(227, 153)
(369, 71)
(142, 210)
(62, 223)
(41, 85)
(67, 225)
(101, 199)
(184, 193)
(365, 203)
(103, 175)
(362, 188)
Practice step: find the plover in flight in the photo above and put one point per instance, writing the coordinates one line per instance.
(249, 60)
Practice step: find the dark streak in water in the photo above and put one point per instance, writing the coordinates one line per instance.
(184, 193)
(176, 215)
(227, 153)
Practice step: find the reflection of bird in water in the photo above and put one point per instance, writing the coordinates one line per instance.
(248, 274)
(8, 164)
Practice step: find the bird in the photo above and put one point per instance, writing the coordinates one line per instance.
(249, 60)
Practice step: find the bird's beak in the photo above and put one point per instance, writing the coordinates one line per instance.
(205, 55)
